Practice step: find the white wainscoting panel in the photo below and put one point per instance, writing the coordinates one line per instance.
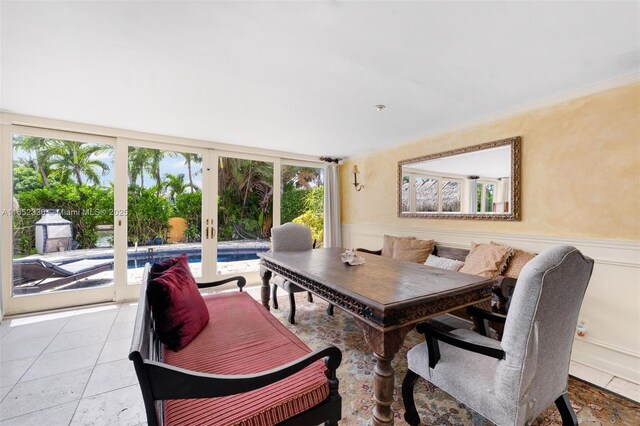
(611, 307)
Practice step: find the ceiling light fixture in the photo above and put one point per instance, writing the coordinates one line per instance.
(380, 107)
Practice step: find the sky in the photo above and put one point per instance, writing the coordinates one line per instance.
(173, 165)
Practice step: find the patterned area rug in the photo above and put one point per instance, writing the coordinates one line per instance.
(592, 405)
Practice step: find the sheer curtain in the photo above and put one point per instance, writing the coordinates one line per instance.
(473, 194)
(332, 229)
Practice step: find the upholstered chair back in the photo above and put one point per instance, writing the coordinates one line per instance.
(291, 237)
(539, 331)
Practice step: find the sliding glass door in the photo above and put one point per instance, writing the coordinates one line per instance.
(164, 207)
(303, 197)
(62, 219)
(244, 204)
(85, 213)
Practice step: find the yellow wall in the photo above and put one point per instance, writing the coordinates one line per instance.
(580, 170)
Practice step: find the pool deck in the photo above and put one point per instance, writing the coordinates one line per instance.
(93, 253)
(134, 275)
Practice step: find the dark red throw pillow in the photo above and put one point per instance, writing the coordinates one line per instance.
(178, 309)
(158, 268)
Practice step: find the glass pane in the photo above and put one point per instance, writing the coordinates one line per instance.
(478, 197)
(303, 199)
(245, 213)
(426, 195)
(62, 215)
(164, 209)
(451, 195)
(489, 197)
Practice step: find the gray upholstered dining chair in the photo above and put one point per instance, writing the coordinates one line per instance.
(289, 237)
(511, 382)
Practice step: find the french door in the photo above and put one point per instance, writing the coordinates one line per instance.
(167, 194)
(252, 194)
(245, 206)
(82, 214)
(216, 207)
(59, 220)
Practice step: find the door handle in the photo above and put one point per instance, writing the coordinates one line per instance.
(213, 232)
(206, 232)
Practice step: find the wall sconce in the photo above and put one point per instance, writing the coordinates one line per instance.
(356, 172)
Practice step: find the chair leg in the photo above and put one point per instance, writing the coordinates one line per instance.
(292, 309)
(273, 296)
(410, 413)
(309, 297)
(566, 410)
(330, 310)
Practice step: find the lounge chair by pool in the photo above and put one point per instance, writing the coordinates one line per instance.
(39, 270)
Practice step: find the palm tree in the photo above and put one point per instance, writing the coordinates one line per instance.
(77, 159)
(246, 177)
(175, 185)
(138, 157)
(301, 177)
(189, 160)
(40, 148)
(153, 167)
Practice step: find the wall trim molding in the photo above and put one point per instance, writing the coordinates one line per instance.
(622, 364)
(631, 246)
(609, 346)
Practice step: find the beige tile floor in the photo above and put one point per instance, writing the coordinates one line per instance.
(71, 367)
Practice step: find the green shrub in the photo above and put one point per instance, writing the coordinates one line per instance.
(188, 205)
(85, 206)
(292, 204)
(147, 215)
(312, 212)
(314, 221)
(25, 178)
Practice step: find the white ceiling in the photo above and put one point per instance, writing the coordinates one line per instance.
(304, 77)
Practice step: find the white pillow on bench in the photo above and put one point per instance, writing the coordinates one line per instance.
(444, 263)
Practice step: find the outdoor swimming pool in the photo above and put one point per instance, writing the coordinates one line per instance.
(139, 259)
(233, 258)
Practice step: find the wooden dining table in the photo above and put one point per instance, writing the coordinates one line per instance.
(386, 296)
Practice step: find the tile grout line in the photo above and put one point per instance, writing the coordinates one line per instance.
(75, 347)
(94, 365)
(25, 372)
(55, 352)
(41, 409)
(37, 357)
(111, 390)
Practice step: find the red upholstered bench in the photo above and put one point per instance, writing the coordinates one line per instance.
(244, 368)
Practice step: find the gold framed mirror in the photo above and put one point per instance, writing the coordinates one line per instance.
(480, 182)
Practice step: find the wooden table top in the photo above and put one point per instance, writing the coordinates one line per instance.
(392, 290)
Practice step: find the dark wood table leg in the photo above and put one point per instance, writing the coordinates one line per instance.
(385, 345)
(265, 274)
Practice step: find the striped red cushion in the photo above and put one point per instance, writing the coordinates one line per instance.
(243, 338)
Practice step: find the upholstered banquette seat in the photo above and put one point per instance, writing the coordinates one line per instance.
(223, 359)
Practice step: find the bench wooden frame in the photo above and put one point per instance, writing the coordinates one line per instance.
(160, 381)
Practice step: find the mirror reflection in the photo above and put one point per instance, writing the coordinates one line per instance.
(472, 182)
